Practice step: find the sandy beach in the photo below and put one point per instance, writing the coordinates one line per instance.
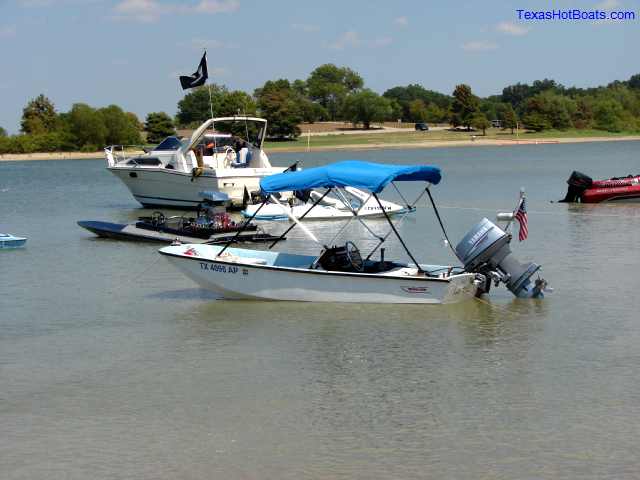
(478, 141)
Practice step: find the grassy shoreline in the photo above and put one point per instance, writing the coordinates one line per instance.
(366, 141)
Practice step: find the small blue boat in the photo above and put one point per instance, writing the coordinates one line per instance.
(10, 241)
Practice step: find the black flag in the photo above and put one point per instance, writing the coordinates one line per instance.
(198, 78)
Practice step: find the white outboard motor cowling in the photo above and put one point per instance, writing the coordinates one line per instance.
(485, 250)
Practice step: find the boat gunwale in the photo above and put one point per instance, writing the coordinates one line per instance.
(318, 271)
(207, 172)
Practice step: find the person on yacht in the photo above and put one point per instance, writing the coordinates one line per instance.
(243, 157)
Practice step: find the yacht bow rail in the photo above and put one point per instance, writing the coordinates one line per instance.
(118, 153)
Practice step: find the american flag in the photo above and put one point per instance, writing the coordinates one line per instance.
(523, 220)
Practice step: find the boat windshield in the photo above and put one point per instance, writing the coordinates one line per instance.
(169, 143)
(214, 142)
(250, 131)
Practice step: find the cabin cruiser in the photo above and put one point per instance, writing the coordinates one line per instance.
(224, 154)
(341, 273)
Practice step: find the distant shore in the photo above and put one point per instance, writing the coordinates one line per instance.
(299, 146)
(477, 142)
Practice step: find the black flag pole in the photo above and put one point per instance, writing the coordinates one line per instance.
(209, 89)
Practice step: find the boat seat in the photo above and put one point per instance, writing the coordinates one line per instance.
(371, 266)
(230, 257)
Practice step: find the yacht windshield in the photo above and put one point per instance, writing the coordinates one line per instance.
(169, 143)
(250, 131)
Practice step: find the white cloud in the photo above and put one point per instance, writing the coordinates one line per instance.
(347, 39)
(511, 28)
(209, 44)
(608, 5)
(479, 46)
(151, 10)
(139, 10)
(7, 31)
(303, 27)
(382, 42)
(401, 21)
(216, 6)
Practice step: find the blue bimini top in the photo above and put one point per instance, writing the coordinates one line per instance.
(350, 173)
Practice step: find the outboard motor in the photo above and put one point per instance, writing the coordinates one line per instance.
(578, 183)
(485, 250)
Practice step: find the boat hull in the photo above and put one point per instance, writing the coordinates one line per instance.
(163, 187)
(10, 242)
(120, 231)
(244, 280)
(627, 194)
(279, 212)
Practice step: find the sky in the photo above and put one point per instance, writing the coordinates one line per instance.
(131, 52)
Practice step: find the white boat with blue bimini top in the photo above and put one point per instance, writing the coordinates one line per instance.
(342, 273)
(11, 241)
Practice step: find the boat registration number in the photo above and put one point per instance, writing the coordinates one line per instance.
(216, 267)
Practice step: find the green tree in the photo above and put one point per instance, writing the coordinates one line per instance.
(634, 81)
(583, 115)
(509, 118)
(405, 95)
(87, 127)
(548, 110)
(479, 121)
(300, 87)
(518, 94)
(39, 116)
(396, 110)
(435, 114)
(608, 115)
(282, 106)
(158, 126)
(465, 105)
(3, 132)
(366, 106)
(417, 111)
(195, 107)
(329, 85)
(122, 128)
(312, 111)
(536, 121)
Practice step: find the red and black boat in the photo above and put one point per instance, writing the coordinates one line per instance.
(583, 189)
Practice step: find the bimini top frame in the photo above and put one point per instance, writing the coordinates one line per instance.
(199, 132)
(351, 173)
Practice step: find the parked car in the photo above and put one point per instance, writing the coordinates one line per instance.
(421, 126)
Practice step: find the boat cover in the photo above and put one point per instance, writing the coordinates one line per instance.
(213, 196)
(350, 173)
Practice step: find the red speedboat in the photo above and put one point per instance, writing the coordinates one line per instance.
(584, 189)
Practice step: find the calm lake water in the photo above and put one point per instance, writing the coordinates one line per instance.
(114, 365)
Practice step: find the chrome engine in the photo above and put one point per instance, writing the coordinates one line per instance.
(485, 250)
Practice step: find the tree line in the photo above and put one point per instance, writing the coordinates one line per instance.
(333, 93)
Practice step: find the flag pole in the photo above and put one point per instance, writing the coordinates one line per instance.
(513, 214)
(209, 90)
